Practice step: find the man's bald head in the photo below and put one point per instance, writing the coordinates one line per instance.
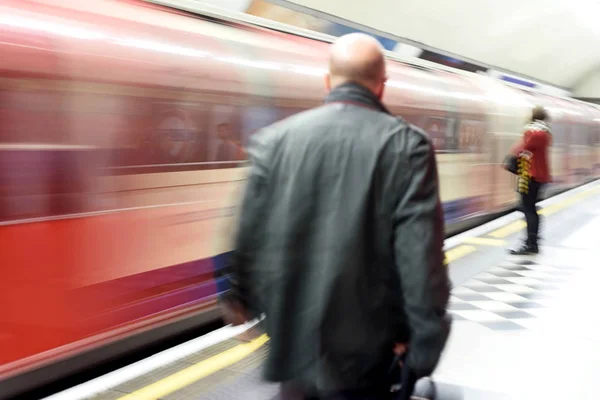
(357, 58)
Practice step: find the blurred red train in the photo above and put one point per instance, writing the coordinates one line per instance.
(122, 126)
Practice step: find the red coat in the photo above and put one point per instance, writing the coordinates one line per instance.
(536, 142)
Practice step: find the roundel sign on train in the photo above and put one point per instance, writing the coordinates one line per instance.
(174, 136)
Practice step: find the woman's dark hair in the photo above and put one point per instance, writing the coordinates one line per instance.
(539, 113)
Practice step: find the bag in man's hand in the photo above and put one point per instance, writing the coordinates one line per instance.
(403, 381)
(425, 389)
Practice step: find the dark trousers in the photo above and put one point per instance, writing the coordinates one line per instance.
(528, 201)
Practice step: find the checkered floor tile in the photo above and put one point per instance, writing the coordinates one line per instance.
(507, 296)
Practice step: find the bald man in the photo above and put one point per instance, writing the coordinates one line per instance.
(339, 241)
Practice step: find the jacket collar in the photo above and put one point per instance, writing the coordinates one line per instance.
(538, 125)
(353, 93)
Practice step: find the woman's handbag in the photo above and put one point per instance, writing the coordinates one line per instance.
(511, 164)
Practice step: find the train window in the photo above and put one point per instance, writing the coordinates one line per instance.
(574, 133)
(412, 118)
(161, 133)
(178, 136)
(442, 133)
(43, 180)
(45, 161)
(225, 136)
(34, 116)
(255, 118)
(588, 133)
(175, 135)
(452, 139)
(579, 134)
(559, 132)
(436, 128)
(591, 136)
(471, 135)
(289, 111)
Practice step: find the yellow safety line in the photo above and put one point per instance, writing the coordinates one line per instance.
(458, 252)
(519, 225)
(567, 202)
(551, 209)
(508, 229)
(197, 371)
(485, 241)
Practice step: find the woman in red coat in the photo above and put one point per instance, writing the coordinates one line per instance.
(534, 173)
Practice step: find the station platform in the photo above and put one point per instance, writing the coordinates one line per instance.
(524, 327)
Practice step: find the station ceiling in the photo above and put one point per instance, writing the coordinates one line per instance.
(554, 41)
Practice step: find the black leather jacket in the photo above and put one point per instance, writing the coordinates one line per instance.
(340, 241)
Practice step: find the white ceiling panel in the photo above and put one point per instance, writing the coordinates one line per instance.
(556, 41)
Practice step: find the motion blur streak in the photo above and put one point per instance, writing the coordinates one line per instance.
(122, 134)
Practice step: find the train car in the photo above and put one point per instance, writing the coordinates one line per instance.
(122, 134)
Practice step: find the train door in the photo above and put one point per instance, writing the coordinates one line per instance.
(464, 147)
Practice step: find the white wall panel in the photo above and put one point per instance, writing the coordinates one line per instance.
(589, 87)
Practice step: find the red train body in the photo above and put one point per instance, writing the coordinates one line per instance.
(122, 127)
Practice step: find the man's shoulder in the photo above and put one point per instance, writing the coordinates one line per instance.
(410, 136)
(298, 119)
(330, 111)
(417, 133)
(383, 121)
(311, 116)
(397, 128)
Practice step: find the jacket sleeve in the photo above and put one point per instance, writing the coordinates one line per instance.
(249, 227)
(418, 247)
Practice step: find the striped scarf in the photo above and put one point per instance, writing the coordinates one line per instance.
(523, 172)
